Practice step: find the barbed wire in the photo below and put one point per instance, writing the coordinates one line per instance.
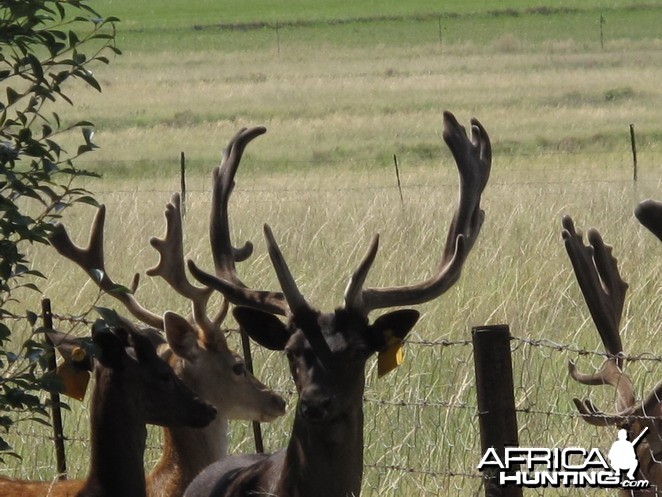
(531, 342)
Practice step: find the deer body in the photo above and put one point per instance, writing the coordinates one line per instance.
(129, 393)
(328, 352)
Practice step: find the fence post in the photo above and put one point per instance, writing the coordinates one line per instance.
(633, 143)
(602, 32)
(397, 177)
(248, 359)
(182, 179)
(56, 412)
(496, 399)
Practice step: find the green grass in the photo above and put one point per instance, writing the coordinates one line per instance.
(339, 100)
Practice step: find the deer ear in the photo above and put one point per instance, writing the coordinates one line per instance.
(181, 336)
(393, 325)
(266, 329)
(112, 352)
(145, 350)
(72, 349)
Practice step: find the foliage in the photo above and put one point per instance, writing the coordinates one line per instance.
(45, 45)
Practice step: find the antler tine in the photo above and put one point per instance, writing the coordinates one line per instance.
(473, 158)
(91, 260)
(296, 302)
(609, 374)
(271, 302)
(648, 407)
(603, 289)
(649, 213)
(592, 415)
(224, 254)
(171, 262)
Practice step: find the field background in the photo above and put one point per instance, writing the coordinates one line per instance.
(341, 87)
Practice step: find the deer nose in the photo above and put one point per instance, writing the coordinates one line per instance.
(279, 404)
(204, 414)
(315, 408)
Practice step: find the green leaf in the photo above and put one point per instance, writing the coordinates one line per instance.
(31, 317)
(5, 332)
(108, 315)
(87, 200)
(12, 96)
(97, 274)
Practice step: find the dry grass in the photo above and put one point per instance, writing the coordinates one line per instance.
(321, 178)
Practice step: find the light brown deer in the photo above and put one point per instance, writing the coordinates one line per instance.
(604, 291)
(133, 387)
(327, 352)
(197, 350)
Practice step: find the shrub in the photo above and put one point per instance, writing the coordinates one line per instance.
(44, 46)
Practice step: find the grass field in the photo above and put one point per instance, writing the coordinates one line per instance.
(339, 99)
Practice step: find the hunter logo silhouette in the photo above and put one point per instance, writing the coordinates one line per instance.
(622, 456)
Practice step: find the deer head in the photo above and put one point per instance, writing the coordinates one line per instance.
(133, 387)
(604, 291)
(327, 352)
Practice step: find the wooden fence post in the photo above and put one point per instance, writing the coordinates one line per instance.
(496, 399)
(56, 412)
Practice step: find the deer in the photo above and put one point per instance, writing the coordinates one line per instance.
(328, 352)
(133, 388)
(196, 348)
(596, 271)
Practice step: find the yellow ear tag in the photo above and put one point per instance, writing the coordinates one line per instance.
(390, 357)
(73, 379)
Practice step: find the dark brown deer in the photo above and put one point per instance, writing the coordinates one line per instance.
(197, 349)
(133, 387)
(327, 352)
(604, 291)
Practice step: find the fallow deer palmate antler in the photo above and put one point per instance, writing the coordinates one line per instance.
(596, 270)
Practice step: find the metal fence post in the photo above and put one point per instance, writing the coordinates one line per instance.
(496, 398)
(248, 359)
(56, 412)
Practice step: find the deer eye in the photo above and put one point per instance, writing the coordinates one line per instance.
(239, 369)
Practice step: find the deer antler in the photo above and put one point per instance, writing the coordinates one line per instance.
(91, 260)
(649, 213)
(473, 159)
(604, 291)
(598, 277)
(170, 248)
(226, 280)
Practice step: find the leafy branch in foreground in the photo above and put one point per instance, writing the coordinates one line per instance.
(45, 45)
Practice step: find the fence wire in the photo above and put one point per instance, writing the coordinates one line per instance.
(431, 444)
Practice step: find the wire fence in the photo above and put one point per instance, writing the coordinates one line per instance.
(421, 429)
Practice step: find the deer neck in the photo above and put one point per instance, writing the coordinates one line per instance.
(118, 435)
(325, 459)
(186, 452)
